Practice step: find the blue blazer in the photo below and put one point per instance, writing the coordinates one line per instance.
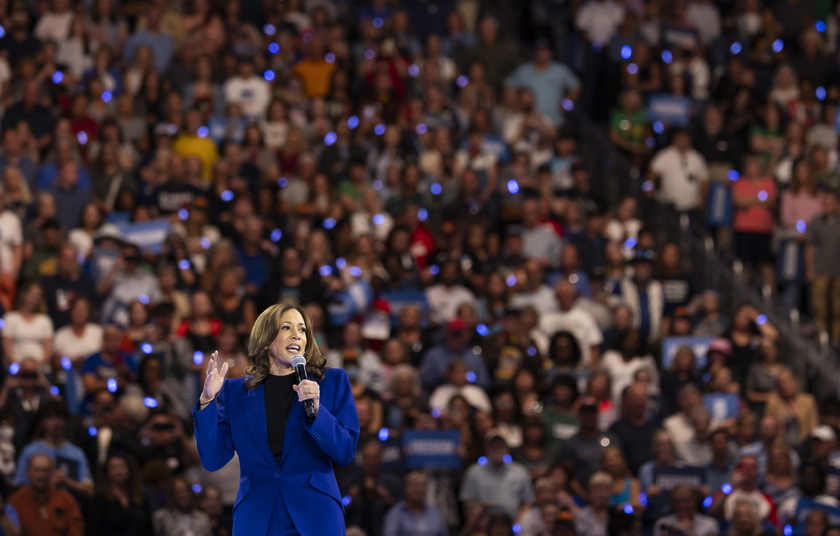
(303, 480)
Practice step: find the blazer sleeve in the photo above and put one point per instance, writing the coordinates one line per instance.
(336, 428)
(212, 431)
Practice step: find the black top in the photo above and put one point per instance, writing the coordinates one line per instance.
(279, 397)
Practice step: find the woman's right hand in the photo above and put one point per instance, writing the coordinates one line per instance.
(215, 379)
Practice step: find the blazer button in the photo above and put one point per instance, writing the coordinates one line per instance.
(276, 475)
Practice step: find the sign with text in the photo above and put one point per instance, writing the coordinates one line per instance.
(722, 406)
(436, 449)
(700, 345)
(147, 235)
(669, 110)
(668, 478)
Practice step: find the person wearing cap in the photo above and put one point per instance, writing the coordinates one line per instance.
(550, 81)
(497, 480)
(642, 294)
(436, 360)
(581, 453)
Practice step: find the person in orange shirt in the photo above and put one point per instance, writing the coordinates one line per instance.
(43, 509)
(315, 71)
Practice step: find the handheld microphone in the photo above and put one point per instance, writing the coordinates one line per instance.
(299, 364)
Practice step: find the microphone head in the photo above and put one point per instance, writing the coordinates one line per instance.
(298, 361)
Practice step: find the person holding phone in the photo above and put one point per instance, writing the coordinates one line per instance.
(286, 458)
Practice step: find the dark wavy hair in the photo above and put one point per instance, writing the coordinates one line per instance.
(265, 330)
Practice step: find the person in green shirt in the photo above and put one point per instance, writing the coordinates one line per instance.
(629, 128)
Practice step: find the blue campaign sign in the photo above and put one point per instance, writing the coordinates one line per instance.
(147, 235)
(722, 406)
(669, 110)
(700, 345)
(805, 505)
(719, 205)
(436, 449)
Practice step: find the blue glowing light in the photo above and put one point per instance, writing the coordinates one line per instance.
(377, 22)
(198, 357)
(355, 271)
(379, 129)
(801, 226)
(507, 458)
(146, 348)
(511, 280)
(421, 129)
(820, 26)
(434, 269)
(352, 122)
(462, 80)
(567, 105)
(628, 509)
(2, 32)
(54, 390)
(196, 488)
(370, 54)
(329, 223)
(329, 57)
(761, 319)
(378, 219)
(513, 186)
(383, 434)
(707, 377)
(422, 214)
(762, 195)
(632, 68)
(707, 502)
(325, 270)
(658, 127)
(346, 500)
(532, 351)
(482, 330)
(435, 413)
(82, 137)
(330, 138)
(626, 52)
(14, 368)
(726, 489)
(471, 377)
(202, 132)
(377, 185)
(183, 214)
(341, 263)
(516, 528)
(57, 77)
(107, 96)
(273, 48)
(643, 500)
(821, 93)
(647, 186)
(482, 460)
(667, 57)
(112, 385)
(227, 196)
(269, 29)
(150, 402)
(778, 46)
(436, 188)
(276, 235)
(282, 182)
(788, 530)
(630, 243)
(733, 175)
(66, 364)
(205, 242)
(143, 299)
(414, 70)
(92, 431)
(184, 264)
(269, 75)
(736, 48)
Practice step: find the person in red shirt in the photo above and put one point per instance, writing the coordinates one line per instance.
(754, 196)
(43, 509)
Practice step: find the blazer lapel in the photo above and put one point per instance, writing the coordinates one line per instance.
(255, 417)
(294, 428)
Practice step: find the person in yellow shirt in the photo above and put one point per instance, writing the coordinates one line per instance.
(191, 142)
(315, 71)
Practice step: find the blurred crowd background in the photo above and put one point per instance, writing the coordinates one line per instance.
(580, 259)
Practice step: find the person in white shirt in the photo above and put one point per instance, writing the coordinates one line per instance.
(11, 252)
(533, 291)
(580, 323)
(599, 20)
(54, 25)
(28, 333)
(80, 338)
(457, 384)
(447, 296)
(680, 173)
(685, 518)
(251, 92)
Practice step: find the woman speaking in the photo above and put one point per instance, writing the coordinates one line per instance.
(286, 457)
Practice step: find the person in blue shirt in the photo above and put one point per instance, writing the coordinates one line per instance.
(161, 43)
(550, 81)
(413, 516)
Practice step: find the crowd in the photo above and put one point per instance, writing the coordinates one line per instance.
(415, 174)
